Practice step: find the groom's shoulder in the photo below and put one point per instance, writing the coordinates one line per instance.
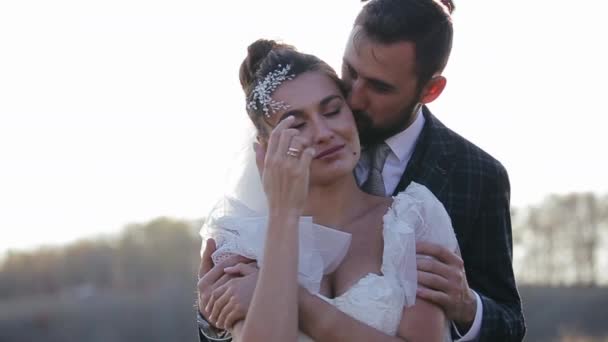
(469, 157)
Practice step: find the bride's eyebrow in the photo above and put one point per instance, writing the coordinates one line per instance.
(328, 99)
(299, 113)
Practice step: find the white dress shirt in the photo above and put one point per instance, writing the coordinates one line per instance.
(402, 147)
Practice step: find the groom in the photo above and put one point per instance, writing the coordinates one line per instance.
(393, 63)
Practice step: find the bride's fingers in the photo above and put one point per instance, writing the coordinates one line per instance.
(307, 155)
(297, 146)
(287, 135)
(275, 135)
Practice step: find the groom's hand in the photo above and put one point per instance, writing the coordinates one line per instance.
(442, 280)
(231, 301)
(211, 277)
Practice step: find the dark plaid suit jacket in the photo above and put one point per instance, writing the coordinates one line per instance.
(474, 188)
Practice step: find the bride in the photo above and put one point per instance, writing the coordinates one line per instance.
(335, 261)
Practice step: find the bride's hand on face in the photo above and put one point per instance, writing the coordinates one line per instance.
(286, 169)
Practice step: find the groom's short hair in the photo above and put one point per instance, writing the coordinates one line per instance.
(426, 23)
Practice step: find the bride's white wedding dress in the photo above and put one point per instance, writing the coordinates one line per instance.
(377, 300)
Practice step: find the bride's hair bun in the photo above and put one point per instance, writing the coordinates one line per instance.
(256, 54)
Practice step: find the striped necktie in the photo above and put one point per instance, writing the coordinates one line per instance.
(375, 184)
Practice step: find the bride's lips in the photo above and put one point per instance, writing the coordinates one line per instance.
(329, 151)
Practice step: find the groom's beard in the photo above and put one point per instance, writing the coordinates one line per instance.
(370, 134)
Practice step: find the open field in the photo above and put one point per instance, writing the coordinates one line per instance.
(167, 314)
(565, 314)
(163, 315)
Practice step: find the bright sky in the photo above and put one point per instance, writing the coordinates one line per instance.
(120, 111)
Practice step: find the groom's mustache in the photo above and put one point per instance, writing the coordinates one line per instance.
(363, 120)
(365, 126)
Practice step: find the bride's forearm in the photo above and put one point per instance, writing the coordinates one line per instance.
(273, 312)
(324, 322)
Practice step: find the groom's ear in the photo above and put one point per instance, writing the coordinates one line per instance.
(433, 89)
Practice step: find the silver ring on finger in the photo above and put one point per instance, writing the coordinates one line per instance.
(293, 152)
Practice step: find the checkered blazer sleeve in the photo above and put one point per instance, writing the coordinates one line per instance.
(491, 275)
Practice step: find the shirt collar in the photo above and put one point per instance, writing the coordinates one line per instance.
(402, 144)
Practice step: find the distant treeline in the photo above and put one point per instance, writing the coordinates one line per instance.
(562, 241)
(142, 257)
(556, 243)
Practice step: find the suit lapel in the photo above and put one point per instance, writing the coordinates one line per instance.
(431, 162)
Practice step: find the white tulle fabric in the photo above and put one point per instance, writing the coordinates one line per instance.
(237, 229)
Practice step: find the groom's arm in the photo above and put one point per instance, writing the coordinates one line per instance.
(210, 278)
(486, 247)
(205, 328)
(489, 263)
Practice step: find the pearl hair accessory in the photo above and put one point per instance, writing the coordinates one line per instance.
(263, 90)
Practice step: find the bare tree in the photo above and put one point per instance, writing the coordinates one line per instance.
(561, 239)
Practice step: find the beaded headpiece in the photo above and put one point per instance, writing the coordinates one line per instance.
(262, 93)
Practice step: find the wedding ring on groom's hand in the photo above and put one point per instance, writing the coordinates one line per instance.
(294, 152)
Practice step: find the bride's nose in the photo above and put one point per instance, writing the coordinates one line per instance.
(322, 132)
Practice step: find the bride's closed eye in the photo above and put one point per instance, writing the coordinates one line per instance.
(334, 107)
(298, 125)
(334, 112)
(302, 124)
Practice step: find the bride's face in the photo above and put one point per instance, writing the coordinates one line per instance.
(324, 120)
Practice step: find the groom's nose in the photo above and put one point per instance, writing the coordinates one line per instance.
(357, 98)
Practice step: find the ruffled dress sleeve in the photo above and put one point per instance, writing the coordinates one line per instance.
(415, 215)
(239, 230)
